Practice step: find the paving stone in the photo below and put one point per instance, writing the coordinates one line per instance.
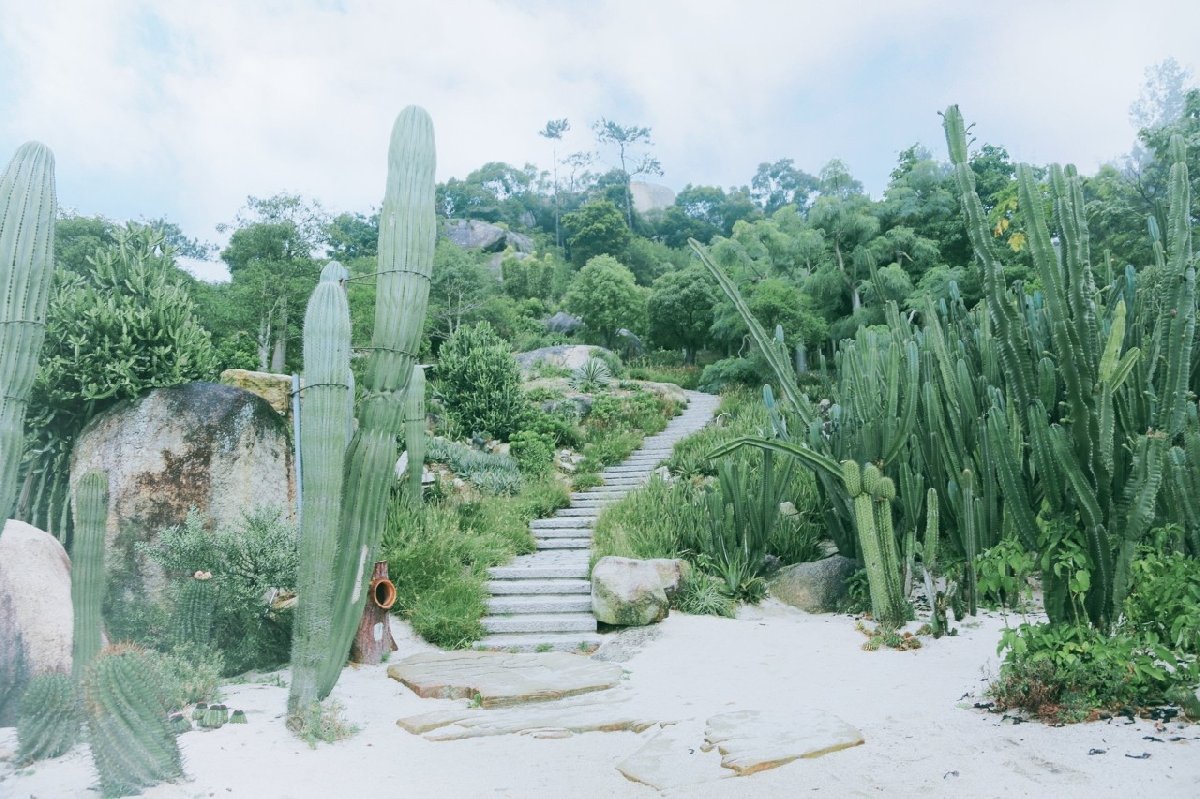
(756, 740)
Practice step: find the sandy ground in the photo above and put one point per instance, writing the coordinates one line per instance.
(923, 736)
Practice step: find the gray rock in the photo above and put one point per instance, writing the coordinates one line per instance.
(563, 322)
(815, 587)
(473, 234)
(650, 196)
(568, 356)
(628, 592)
(36, 617)
(215, 448)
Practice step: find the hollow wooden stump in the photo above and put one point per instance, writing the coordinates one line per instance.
(374, 636)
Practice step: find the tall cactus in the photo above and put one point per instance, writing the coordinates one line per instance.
(327, 415)
(194, 610)
(27, 210)
(414, 432)
(132, 743)
(872, 495)
(407, 230)
(87, 569)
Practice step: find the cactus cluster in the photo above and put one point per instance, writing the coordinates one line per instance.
(347, 485)
(872, 494)
(133, 745)
(87, 569)
(28, 207)
(50, 717)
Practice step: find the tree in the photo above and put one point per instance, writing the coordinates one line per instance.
(480, 383)
(606, 297)
(120, 325)
(701, 212)
(1163, 96)
(847, 223)
(776, 185)
(459, 287)
(351, 236)
(596, 229)
(633, 163)
(554, 131)
(680, 311)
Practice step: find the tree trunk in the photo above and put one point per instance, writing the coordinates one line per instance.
(374, 636)
(280, 353)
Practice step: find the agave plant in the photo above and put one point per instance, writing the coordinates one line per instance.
(593, 375)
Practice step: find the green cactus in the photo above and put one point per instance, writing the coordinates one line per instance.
(238, 717)
(50, 717)
(199, 710)
(179, 724)
(194, 609)
(325, 416)
(130, 736)
(876, 539)
(27, 210)
(87, 569)
(414, 432)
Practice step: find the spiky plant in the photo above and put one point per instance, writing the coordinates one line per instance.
(27, 209)
(87, 569)
(594, 374)
(48, 724)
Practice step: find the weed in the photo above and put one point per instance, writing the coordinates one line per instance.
(321, 721)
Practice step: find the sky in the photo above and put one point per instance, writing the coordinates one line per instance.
(183, 109)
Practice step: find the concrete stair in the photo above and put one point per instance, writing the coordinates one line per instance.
(543, 601)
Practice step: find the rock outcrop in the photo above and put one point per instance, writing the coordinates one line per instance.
(567, 356)
(36, 617)
(215, 448)
(473, 234)
(815, 587)
(275, 389)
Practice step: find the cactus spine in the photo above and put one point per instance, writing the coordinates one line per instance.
(27, 210)
(407, 229)
(87, 569)
(48, 724)
(414, 432)
(326, 415)
(132, 743)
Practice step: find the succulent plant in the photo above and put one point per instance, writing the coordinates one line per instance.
(48, 724)
(87, 569)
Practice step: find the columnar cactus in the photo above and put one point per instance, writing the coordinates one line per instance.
(27, 210)
(50, 717)
(414, 432)
(194, 607)
(326, 415)
(133, 746)
(87, 569)
(872, 495)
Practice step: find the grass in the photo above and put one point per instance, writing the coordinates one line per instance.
(321, 721)
(682, 376)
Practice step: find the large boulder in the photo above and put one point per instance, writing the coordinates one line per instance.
(473, 234)
(275, 389)
(218, 449)
(650, 196)
(36, 618)
(815, 587)
(563, 322)
(569, 356)
(631, 592)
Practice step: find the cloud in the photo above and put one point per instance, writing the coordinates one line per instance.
(183, 109)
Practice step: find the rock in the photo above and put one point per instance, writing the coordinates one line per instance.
(815, 587)
(671, 572)
(666, 390)
(215, 448)
(788, 509)
(673, 759)
(607, 711)
(664, 473)
(473, 234)
(503, 678)
(275, 389)
(36, 617)
(650, 196)
(753, 740)
(567, 356)
(628, 592)
(563, 322)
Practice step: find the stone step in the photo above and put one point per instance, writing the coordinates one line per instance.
(540, 586)
(541, 623)
(563, 571)
(540, 603)
(589, 513)
(558, 523)
(564, 543)
(562, 532)
(581, 642)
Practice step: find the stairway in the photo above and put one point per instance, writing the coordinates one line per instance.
(543, 600)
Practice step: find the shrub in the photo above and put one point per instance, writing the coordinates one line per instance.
(480, 382)
(703, 595)
(593, 375)
(732, 372)
(491, 472)
(533, 451)
(561, 425)
(250, 564)
(1164, 604)
(188, 673)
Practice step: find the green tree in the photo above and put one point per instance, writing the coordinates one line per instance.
(554, 131)
(607, 298)
(596, 229)
(680, 311)
(115, 328)
(780, 184)
(627, 138)
(480, 383)
(458, 289)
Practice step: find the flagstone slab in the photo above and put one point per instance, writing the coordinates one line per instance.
(754, 740)
(503, 678)
(673, 758)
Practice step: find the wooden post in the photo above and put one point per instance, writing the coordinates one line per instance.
(374, 636)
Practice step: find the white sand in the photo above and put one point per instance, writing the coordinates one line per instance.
(922, 737)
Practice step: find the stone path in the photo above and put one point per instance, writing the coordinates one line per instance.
(543, 600)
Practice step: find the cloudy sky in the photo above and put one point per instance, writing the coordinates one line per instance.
(182, 109)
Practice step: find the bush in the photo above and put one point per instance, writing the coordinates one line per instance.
(1164, 604)
(480, 383)
(533, 451)
(592, 376)
(249, 564)
(561, 425)
(490, 472)
(733, 372)
(703, 595)
(682, 376)
(188, 674)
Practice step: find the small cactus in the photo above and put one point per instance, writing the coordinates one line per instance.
(50, 716)
(198, 711)
(133, 746)
(179, 723)
(238, 717)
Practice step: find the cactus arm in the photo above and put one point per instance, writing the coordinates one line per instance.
(28, 207)
(87, 569)
(808, 457)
